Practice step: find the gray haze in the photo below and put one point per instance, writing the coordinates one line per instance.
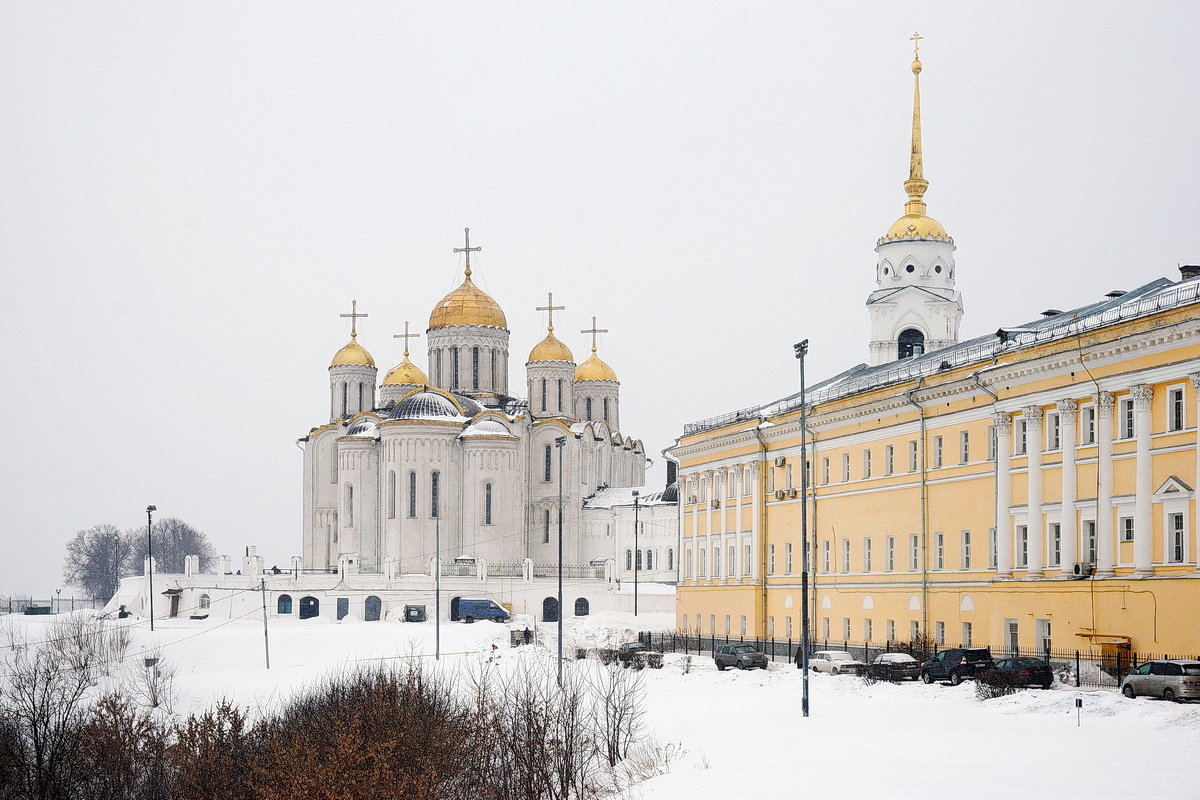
(192, 193)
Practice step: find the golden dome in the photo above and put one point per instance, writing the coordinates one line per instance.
(352, 353)
(916, 226)
(594, 370)
(551, 349)
(467, 305)
(405, 373)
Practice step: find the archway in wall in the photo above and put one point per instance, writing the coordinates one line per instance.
(582, 607)
(454, 615)
(372, 608)
(309, 607)
(910, 343)
(343, 607)
(550, 610)
(284, 604)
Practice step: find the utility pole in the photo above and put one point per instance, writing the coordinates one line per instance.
(801, 351)
(437, 585)
(150, 560)
(561, 444)
(266, 641)
(637, 553)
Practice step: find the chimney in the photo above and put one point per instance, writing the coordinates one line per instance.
(1189, 271)
(672, 469)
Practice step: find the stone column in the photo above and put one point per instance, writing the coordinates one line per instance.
(1195, 376)
(1143, 541)
(1036, 527)
(1003, 423)
(1068, 413)
(1104, 520)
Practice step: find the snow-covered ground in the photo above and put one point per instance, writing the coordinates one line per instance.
(737, 733)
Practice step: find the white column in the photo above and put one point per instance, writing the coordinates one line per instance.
(1068, 412)
(1143, 541)
(1195, 376)
(1003, 424)
(1036, 527)
(1104, 469)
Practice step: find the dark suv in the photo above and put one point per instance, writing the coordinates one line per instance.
(955, 664)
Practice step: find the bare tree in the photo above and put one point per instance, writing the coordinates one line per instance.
(97, 558)
(173, 539)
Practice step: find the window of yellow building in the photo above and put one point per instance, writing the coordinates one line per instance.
(966, 634)
(770, 626)
(787, 558)
(890, 628)
(1126, 528)
(1127, 418)
(845, 467)
(912, 456)
(1055, 544)
(889, 459)
(846, 628)
(1176, 539)
(939, 633)
(991, 443)
(1176, 419)
(866, 630)
(845, 555)
(937, 452)
(825, 556)
(939, 551)
(771, 559)
(867, 554)
(889, 554)
(825, 471)
(966, 549)
(993, 548)
(913, 545)
(1020, 436)
(964, 447)
(866, 471)
(824, 627)
(1022, 546)
(1053, 432)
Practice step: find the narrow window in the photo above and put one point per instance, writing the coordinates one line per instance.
(731, 564)
(742, 626)
(412, 494)
(547, 463)
(454, 366)
(703, 562)
(727, 628)
(639, 560)
(1126, 529)
(939, 633)
(487, 504)
(747, 482)
(966, 549)
(435, 497)
(964, 447)
(770, 626)
(889, 558)
(746, 559)
(1127, 418)
(824, 627)
(475, 368)
(1175, 415)
(1053, 432)
(966, 634)
(361, 404)
(991, 443)
(1022, 545)
(437, 366)
(716, 562)
(867, 630)
(914, 630)
(825, 470)
(670, 558)
(1087, 416)
(866, 471)
(787, 626)
(771, 559)
(787, 557)
(787, 477)
(845, 627)
(1055, 544)
(993, 548)
(1019, 431)
(845, 467)
(867, 555)
(824, 556)
(391, 494)
(912, 456)
(937, 452)
(1175, 543)
(890, 628)
(889, 460)
(345, 398)
(349, 515)
(546, 528)
(606, 409)
(492, 371)
(588, 415)
(560, 395)
(845, 555)
(939, 544)
(1089, 535)
(543, 394)
(912, 555)
(628, 558)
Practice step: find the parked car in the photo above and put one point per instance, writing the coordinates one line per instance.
(895, 667)
(955, 664)
(1175, 679)
(1026, 671)
(835, 662)
(471, 609)
(742, 656)
(627, 654)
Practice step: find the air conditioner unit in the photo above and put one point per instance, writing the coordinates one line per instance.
(793, 492)
(779, 462)
(1081, 569)
(714, 504)
(692, 499)
(779, 494)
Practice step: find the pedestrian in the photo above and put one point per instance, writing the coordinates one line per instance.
(527, 635)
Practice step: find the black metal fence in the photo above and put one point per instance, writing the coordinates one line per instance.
(56, 605)
(1085, 668)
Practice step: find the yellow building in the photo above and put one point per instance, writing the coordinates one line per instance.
(1027, 489)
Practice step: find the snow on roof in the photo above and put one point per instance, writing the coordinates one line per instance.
(487, 427)
(623, 496)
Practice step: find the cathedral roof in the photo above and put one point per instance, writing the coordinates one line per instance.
(352, 353)
(594, 369)
(467, 305)
(623, 496)
(551, 349)
(427, 404)
(488, 428)
(405, 373)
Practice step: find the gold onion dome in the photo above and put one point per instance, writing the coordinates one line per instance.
(594, 370)
(551, 349)
(352, 353)
(405, 373)
(467, 305)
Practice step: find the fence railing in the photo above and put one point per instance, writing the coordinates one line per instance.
(1084, 668)
(57, 605)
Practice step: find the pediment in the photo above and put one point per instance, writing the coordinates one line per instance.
(1173, 487)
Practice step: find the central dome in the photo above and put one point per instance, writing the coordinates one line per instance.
(467, 305)
(405, 373)
(916, 226)
(425, 405)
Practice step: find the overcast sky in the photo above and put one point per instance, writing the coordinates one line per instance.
(191, 193)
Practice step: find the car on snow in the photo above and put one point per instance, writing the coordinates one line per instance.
(895, 667)
(742, 656)
(835, 662)
(1025, 671)
(1171, 679)
(955, 664)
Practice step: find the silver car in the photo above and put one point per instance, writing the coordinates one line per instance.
(836, 662)
(1176, 679)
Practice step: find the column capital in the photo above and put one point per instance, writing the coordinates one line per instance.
(1143, 394)
(1003, 421)
(1067, 410)
(1032, 416)
(1104, 405)
(1195, 379)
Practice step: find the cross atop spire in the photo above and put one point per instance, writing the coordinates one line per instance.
(406, 336)
(354, 315)
(593, 331)
(916, 40)
(916, 185)
(550, 308)
(468, 250)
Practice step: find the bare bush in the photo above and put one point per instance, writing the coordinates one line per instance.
(122, 753)
(685, 664)
(210, 757)
(990, 684)
(154, 680)
(620, 696)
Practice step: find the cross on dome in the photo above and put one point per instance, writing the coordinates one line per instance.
(354, 315)
(593, 331)
(550, 308)
(916, 40)
(468, 249)
(406, 336)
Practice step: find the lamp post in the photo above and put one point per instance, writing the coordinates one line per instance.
(561, 444)
(637, 554)
(150, 560)
(437, 584)
(801, 351)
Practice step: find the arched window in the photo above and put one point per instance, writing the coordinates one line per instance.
(284, 604)
(589, 409)
(582, 607)
(204, 601)
(547, 463)
(487, 504)
(475, 368)
(628, 559)
(345, 398)
(560, 394)
(435, 480)
(649, 559)
(639, 559)
(361, 405)
(670, 558)
(911, 343)
(492, 373)
(412, 494)
(543, 394)
(437, 367)
(348, 513)
(454, 367)
(606, 409)
(391, 494)
(546, 526)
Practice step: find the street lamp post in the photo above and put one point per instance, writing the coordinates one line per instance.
(150, 560)
(561, 444)
(801, 351)
(637, 554)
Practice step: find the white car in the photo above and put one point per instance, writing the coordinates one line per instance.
(836, 662)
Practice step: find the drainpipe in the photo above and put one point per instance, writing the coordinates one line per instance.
(908, 397)
(761, 499)
(678, 514)
(995, 467)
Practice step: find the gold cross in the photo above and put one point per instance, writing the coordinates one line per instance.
(468, 249)
(916, 40)
(354, 315)
(594, 330)
(406, 336)
(550, 308)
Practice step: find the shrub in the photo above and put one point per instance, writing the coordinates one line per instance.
(992, 683)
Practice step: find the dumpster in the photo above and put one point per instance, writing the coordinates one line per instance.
(414, 613)
(34, 611)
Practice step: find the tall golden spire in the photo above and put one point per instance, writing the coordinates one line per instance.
(916, 183)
